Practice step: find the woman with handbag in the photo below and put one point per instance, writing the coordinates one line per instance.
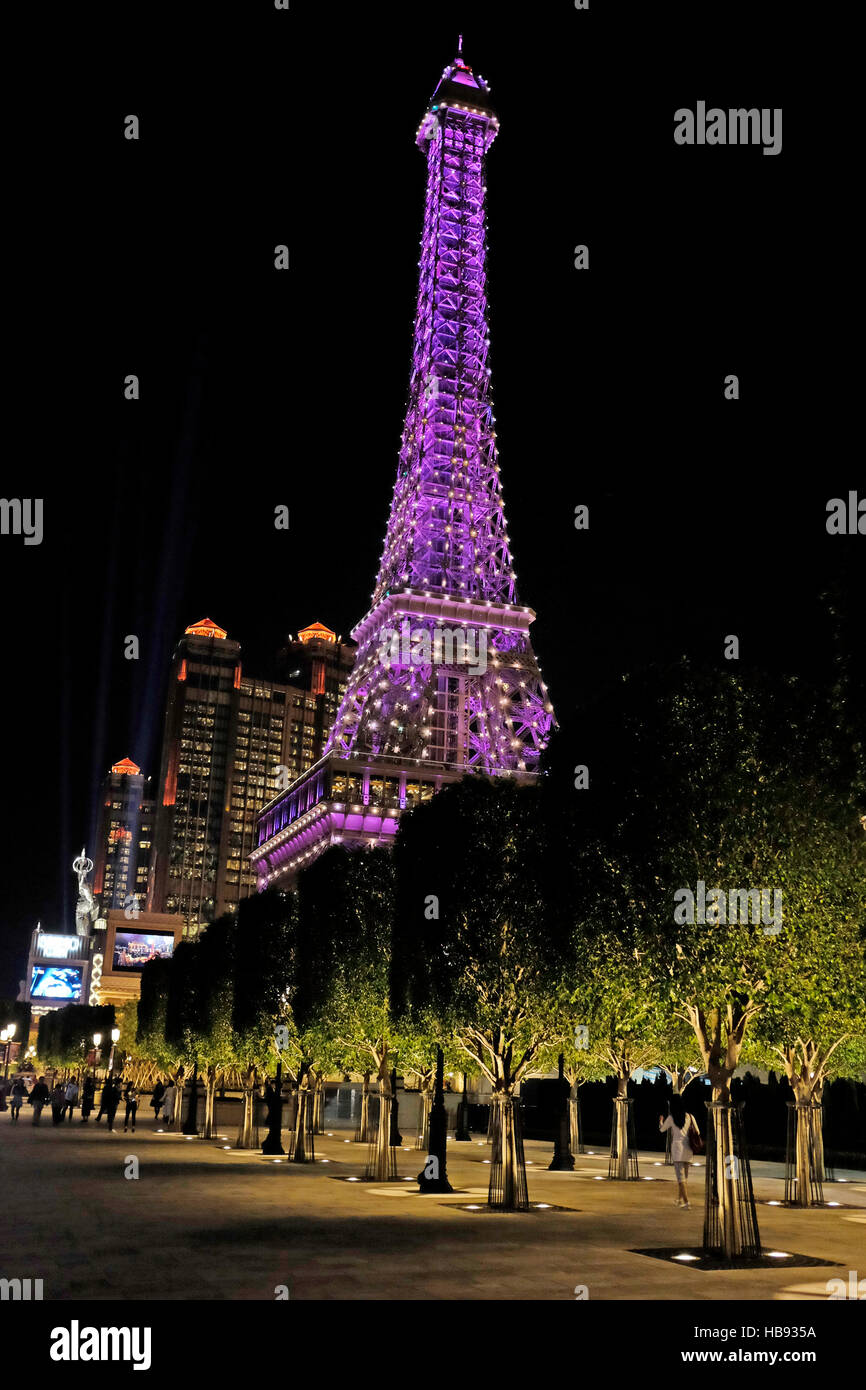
(686, 1141)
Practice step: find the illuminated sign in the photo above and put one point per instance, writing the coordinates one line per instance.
(56, 982)
(60, 947)
(133, 949)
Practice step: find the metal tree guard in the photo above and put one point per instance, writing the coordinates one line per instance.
(730, 1218)
(303, 1148)
(363, 1131)
(578, 1116)
(382, 1155)
(614, 1166)
(508, 1188)
(803, 1117)
(426, 1101)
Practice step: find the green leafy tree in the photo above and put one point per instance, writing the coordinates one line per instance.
(66, 1035)
(814, 1017)
(729, 820)
(482, 937)
(343, 986)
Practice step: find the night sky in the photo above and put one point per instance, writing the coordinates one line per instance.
(259, 388)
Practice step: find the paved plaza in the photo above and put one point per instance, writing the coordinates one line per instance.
(201, 1222)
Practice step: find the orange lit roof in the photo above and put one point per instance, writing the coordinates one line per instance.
(127, 766)
(317, 632)
(205, 628)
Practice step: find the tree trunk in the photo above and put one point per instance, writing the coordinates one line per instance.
(245, 1132)
(818, 1131)
(319, 1105)
(574, 1127)
(209, 1098)
(426, 1100)
(364, 1136)
(301, 1150)
(726, 1183)
(177, 1103)
(382, 1168)
(508, 1187)
(621, 1103)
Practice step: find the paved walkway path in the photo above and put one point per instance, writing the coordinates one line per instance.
(202, 1222)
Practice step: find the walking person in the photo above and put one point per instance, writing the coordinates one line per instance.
(88, 1095)
(682, 1126)
(156, 1101)
(39, 1098)
(168, 1103)
(111, 1100)
(130, 1095)
(16, 1099)
(58, 1102)
(71, 1097)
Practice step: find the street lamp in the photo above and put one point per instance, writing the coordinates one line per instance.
(97, 1039)
(6, 1036)
(115, 1034)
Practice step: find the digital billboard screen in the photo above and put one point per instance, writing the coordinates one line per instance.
(60, 947)
(133, 949)
(61, 982)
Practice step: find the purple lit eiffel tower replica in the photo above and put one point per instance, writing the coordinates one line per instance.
(445, 681)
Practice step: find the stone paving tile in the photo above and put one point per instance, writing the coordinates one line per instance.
(201, 1222)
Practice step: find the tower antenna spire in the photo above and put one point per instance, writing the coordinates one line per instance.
(460, 46)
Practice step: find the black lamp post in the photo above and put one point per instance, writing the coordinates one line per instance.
(563, 1158)
(462, 1133)
(8, 1034)
(434, 1177)
(395, 1138)
(190, 1123)
(273, 1141)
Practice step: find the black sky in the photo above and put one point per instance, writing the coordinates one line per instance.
(707, 517)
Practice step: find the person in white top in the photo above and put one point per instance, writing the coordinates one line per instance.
(682, 1125)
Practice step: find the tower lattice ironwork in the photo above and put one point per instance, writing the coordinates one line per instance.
(445, 681)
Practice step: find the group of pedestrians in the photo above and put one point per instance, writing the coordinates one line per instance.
(112, 1094)
(64, 1099)
(162, 1102)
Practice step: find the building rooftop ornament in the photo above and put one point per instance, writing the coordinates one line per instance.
(127, 767)
(86, 910)
(317, 632)
(206, 627)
